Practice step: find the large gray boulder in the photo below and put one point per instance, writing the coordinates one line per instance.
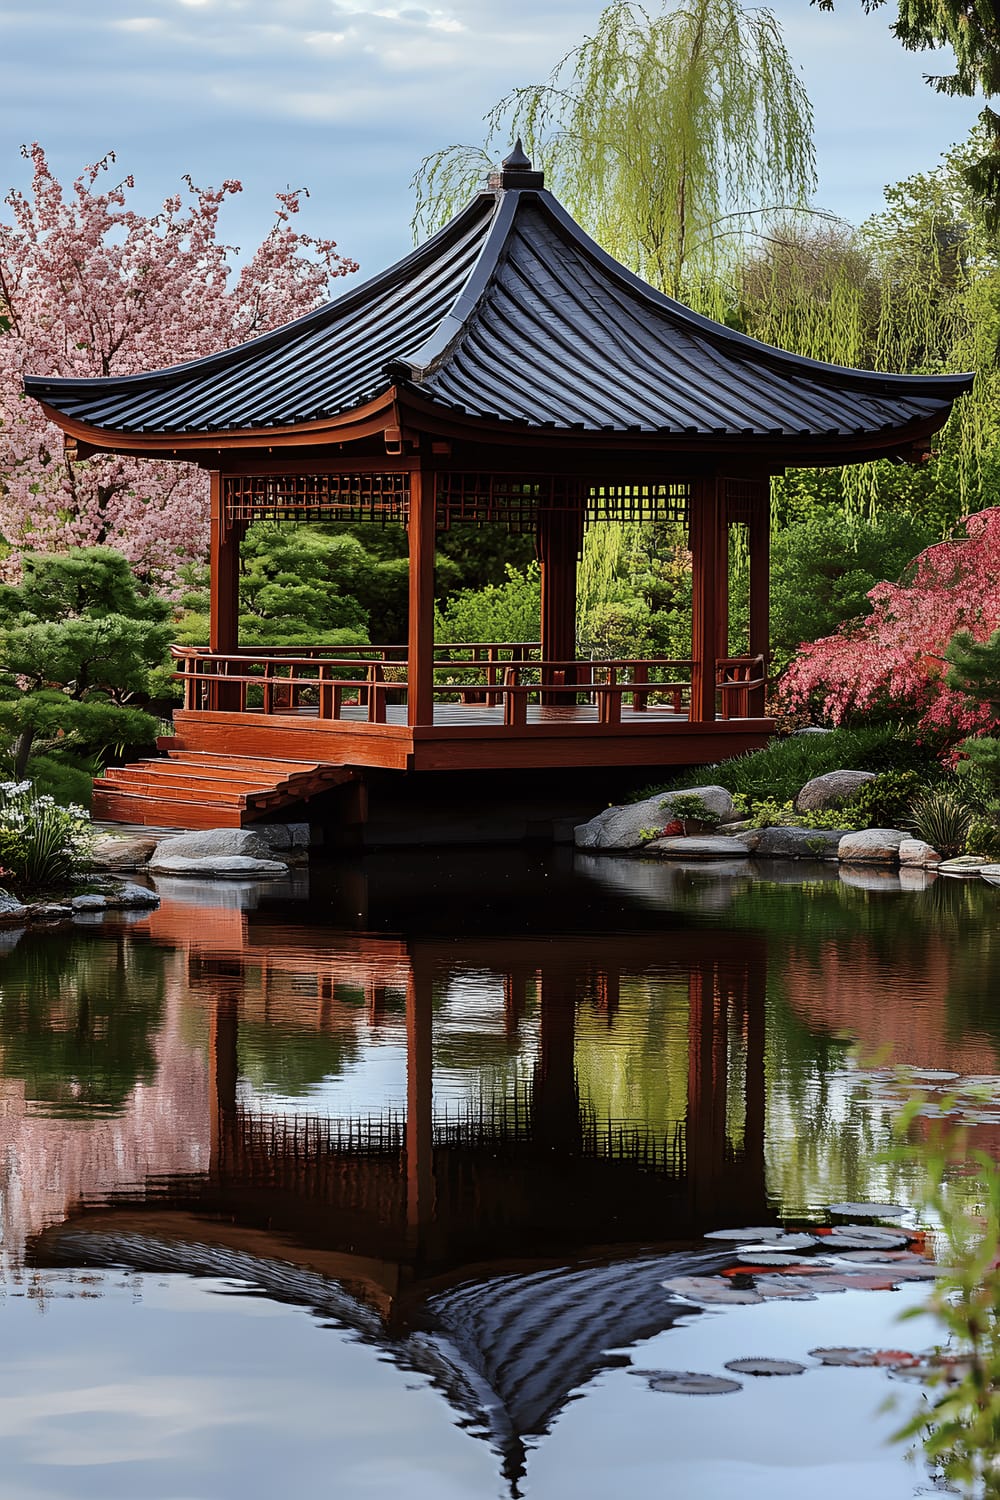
(121, 851)
(871, 846)
(212, 843)
(623, 828)
(699, 847)
(222, 867)
(835, 789)
(780, 842)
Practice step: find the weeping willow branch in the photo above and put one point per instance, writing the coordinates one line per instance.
(653, 132)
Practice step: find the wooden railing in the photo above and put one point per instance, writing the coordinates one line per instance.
(325, 681)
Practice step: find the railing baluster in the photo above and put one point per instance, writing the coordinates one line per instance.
(609, 709)
(376, 694)
(515, 702)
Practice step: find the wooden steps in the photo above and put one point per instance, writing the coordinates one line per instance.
(189, 789)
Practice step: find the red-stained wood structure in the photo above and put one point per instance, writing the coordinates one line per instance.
(507, 372)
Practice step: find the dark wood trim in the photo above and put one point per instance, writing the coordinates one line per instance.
(706, 522)
(369, 420)
(759, 539)
(420, 641)
(559, 538)
(224, 584)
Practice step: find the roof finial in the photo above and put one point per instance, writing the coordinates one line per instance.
(516, 171)
(518, 160)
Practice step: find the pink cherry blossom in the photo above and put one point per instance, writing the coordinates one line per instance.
(894, 658)
(89, 287)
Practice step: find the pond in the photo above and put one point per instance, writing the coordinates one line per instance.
(367, 1183)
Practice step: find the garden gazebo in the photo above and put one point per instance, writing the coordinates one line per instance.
(507, 371)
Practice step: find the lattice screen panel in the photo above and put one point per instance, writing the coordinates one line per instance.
(743, 496)
(515, 500)
(639, 501)
(317, 497)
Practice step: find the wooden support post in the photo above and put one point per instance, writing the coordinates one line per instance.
(222, 1074)
(705, 524)
(560, 534)
(760, 588)
(224, 606)
(420, 643)
(555, 1100)
(420, 1192)
(224, 618)
(705, 1129)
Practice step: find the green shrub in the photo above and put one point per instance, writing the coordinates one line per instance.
(41, 843)
(943, 819)
(785, 765)
(983, 837)
(886, 801)
(769, 813)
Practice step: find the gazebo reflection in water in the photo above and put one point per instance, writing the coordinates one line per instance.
(501, 1245)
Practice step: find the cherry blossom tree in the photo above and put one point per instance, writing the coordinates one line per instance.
(90, 287)
(894, 658)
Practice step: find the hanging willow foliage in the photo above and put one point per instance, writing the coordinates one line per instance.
(668, 136)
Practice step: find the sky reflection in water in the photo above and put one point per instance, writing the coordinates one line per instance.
(286, 1185)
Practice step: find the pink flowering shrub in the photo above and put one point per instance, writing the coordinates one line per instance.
(893, 659)
(89, 287)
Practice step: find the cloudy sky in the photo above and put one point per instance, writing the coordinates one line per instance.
(344, 97)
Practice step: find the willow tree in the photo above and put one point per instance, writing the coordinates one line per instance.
(668, 136)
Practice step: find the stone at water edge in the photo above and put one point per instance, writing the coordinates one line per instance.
(121, 852)
(917, 852)
(780, 842)
(128, 896)
(875, 846)
(991, 874)
(89, 903)
(217, 867)
(965, 866)
(211, 843)
(11, 909)
(835, 789)
(627, 827)
(700, 846)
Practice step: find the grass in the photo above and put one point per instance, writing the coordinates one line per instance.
(784, 766)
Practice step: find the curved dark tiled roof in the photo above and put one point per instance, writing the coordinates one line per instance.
(512, 313)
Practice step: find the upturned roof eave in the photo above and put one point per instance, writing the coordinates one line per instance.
(949, 386)
(44, 388)
(365, 420)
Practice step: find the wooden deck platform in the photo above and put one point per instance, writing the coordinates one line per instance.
(262, 732)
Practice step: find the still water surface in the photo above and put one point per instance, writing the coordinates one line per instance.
(366, 1184)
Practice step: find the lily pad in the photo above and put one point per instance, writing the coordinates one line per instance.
(859, 1241)
(765, 1367)
(867, 1210)
(711, 1290)
(762, 1257)
(877, 1236)
(883, 1258)
(766, 1232)
(784, 1288)
(855, 1358)
(690, 1383)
